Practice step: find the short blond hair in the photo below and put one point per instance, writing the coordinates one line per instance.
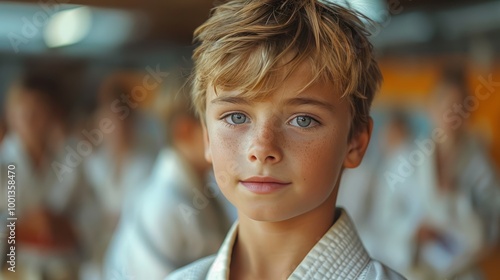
(246, 45)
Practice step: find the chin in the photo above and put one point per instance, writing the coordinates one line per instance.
(260, 213)
(269, 213)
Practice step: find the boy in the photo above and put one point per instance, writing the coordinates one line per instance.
(284, 90)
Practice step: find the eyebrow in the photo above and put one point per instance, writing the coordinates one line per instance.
(230, 99)
(309, 101)
(290, 102)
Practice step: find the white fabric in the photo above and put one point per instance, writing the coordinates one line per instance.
(37, 188)
(339, 254)
(177, 223)
(119, 193)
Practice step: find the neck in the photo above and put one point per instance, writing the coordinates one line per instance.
(272, 250)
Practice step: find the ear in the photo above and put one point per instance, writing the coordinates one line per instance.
(358, 145)
(206, 142)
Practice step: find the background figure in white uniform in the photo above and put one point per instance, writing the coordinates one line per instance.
(180, 218)
(389, 214)
(462, 201)
(50, 195)
(434, 203)
(123, 157)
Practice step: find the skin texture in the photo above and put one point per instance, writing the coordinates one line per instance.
(300, 137)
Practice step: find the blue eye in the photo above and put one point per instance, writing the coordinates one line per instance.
(236, 118)
(303, 121)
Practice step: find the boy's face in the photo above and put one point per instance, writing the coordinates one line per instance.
(297, 139)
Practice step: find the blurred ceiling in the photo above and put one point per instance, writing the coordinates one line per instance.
(167, 20)
(156, 23)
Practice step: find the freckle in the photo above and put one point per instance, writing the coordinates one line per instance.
(231, 145)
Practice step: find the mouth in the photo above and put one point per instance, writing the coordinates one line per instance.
(264, 185)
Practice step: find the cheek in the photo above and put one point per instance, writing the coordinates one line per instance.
(224, 144)
(225, 151)
(318, 161)
(315, 165)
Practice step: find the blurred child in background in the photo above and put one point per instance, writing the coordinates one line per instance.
(122, 158)
(463, 191)
(48, 243)
(434, 206)
(179, 218)
(387, 220)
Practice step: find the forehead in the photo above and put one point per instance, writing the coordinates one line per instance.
(299, 82)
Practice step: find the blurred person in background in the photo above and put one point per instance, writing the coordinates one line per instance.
(388, 205)
(48, 243)
(180, 218)
(433, 204)
(122, 158)
(460, 186)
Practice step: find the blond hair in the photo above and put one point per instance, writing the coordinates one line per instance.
(246, 45)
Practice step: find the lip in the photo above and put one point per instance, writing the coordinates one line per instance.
(263, 185)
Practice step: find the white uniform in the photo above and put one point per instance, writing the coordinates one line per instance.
(339, 254)
(177, 223)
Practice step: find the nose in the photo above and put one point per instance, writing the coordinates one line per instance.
(266, 144)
